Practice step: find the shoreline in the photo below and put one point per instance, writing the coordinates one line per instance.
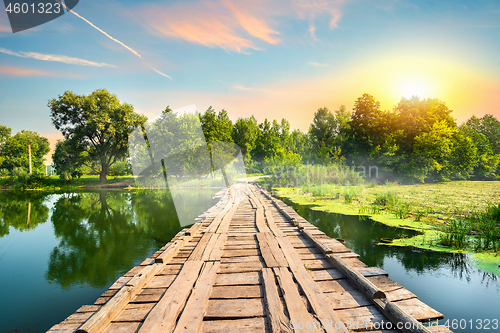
(426, 240)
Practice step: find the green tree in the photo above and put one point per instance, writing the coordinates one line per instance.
(216, 127)
(300, 144)
(15, 151)
(268, 140)
(97, 124)
(489, 126)
(245, 134)
(4, 136)
(486, 160)
(68, 162)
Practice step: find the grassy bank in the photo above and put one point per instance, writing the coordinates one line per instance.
(450, 217)
(55, 183)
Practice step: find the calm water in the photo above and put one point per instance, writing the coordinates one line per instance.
(445, 282)
(75, 245)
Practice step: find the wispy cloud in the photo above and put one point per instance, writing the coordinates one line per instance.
(257, 90)
(317, 64)
(161, 73)
(310, 9)
(112, 38)
(235, 25)
(55, 57)
(17, 71)
(222, 23)
(101, 31)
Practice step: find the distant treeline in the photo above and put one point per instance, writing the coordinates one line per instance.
(417, 141)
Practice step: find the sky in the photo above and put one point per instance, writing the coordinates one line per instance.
(272, 59)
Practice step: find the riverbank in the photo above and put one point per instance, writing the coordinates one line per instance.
(55, 183)
(426, 208)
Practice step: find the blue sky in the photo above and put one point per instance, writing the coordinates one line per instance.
(271, 59)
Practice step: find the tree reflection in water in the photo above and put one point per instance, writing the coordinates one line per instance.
(362, 235)
(22, 210)
(104, 234)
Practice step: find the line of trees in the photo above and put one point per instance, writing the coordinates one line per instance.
(14, 156)
(417, 141)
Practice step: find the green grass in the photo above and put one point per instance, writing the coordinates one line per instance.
(54, 183)
(460, 216)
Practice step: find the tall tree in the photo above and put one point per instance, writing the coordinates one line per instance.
(371, 130)
(4, 136)
(217, 127)
(489, 126)
(97, 124)
(268, 141)
(15, 150)
(245, 134)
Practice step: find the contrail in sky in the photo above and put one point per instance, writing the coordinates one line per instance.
(113, 39)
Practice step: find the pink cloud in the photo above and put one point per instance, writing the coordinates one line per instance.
(233, 25)
(310, 9)
(17, 71)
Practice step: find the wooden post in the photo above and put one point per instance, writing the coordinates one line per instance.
(29, 213)
(29, 153)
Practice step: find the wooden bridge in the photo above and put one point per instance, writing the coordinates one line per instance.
(253, 265)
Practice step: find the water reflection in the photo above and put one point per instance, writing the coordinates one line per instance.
(103, 234)
(362, 235)
(22, 211)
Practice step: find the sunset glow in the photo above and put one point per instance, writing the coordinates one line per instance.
(256, 57)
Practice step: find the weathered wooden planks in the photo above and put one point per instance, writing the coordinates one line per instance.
(252, 265)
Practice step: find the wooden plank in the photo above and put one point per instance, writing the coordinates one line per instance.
(365, 285)
(240, 267)
(347, 299)
(164, 315)
(363, 318)
(101, 318)
(216, 252)
(88, 308)
(234, 308)
(240, 253)
(238, 292)
(266, 251)
(396, 314)
(134, 312)
(327, 274)
(224, 225)
(315, 296)
(340, 285)
(384, 283)
(246, 325)
(247, 278)
(276, 250)
(275, 315)
(122, 327)
(200, 247)
(419, 310)
(213, 250)
(172, 250)
(192, 316)
(226, 260)
(171, 270)
(293, 301)
(160, 281)
(260, 220)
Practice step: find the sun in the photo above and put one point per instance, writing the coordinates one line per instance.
(415, 86)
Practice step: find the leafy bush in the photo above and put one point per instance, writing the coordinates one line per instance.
(4, 173)
(19, 172)
(386, 199)
(120, 168)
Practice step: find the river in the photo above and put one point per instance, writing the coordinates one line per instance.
(59, 251)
